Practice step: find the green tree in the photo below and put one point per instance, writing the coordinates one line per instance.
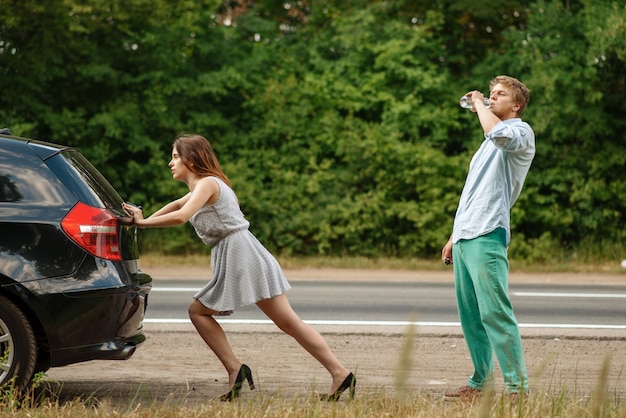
(572, 63)
(350, 127)
(336, 120)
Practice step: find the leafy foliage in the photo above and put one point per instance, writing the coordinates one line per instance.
(336, 120)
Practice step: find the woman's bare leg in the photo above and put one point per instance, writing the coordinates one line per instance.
(213, 335)
(280, 311)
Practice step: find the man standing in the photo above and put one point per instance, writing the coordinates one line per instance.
(481, 234)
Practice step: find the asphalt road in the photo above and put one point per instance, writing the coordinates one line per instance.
(371, 303)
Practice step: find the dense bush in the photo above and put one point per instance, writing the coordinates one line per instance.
(337, 121)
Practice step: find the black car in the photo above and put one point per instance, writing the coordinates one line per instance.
(70, 287)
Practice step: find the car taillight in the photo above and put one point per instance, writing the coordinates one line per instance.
(94, 230)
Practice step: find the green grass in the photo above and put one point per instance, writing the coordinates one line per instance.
(44, 401)
(373, 405)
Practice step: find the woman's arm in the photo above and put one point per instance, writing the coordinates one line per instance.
(179, 211)
(172, 206)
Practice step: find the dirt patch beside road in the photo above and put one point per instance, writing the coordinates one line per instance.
(175, 365)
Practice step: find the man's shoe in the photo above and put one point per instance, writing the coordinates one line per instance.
(516, 397)
(464, 394)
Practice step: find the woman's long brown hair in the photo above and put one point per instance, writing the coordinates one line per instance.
(196, 153)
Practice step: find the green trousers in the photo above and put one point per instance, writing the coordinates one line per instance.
(481, 278)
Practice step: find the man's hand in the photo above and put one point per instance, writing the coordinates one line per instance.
(446, 252)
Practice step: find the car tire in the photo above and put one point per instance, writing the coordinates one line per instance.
(18, 346)
(43, 363)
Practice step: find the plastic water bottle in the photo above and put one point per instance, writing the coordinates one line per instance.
(466, 102)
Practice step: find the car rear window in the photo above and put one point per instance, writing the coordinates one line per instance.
(84, 180)
(24, 179)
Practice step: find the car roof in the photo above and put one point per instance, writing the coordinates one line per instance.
(43, 149)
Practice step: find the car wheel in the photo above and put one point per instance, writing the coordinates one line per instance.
(18, 347)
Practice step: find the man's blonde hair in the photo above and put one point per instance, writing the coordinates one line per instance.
(521, 93)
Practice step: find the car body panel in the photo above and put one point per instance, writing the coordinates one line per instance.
(83, 307)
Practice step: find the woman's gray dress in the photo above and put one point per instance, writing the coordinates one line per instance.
(244, 271)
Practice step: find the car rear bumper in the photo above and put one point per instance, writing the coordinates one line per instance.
(96, 313)
(108, 350)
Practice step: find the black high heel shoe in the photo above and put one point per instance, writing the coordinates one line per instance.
(244, 373)
(348, 383)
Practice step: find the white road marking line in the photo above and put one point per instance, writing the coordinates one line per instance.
(376, 323)
(569, 295)
(522, 294)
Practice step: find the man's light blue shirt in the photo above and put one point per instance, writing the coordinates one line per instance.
(495, 179)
